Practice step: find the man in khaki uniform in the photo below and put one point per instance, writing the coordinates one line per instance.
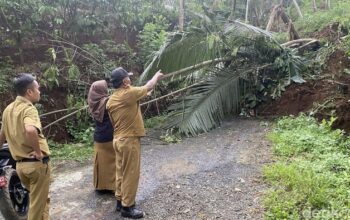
(21, 127)
(125, 113)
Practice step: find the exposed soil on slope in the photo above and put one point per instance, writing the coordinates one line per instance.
(322, 97)
(332, 32)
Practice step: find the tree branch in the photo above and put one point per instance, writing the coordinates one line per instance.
(289, 43)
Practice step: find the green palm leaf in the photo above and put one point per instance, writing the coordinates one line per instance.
(207, 103)
(184, 50)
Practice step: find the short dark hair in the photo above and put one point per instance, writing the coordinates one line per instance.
(23, 82)
(117, 77)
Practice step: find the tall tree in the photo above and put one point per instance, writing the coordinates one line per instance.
(314, 5)
(181, 15)
(247, 11)
(297, 8)
(278, 12)
(17, 21)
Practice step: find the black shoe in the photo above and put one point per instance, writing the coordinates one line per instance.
(132, 212)
(118, 207)
(104, 191)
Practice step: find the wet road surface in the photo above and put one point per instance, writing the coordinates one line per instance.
(213, 176)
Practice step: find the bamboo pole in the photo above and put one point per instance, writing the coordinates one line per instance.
(172, 93)
(205, 63)
(142, 104)
(66, 116)
(57, 111)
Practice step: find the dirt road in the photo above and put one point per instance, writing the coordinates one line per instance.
(212, 176)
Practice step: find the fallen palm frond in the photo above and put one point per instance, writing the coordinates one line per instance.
(231, 56)
(206, 104)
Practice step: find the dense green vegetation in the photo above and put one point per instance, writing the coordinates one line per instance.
(70, 43)
(313, 21)
(310, 179)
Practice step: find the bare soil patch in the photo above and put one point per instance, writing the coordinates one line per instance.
(324, 97)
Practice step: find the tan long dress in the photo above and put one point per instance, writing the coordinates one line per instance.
(104, 166)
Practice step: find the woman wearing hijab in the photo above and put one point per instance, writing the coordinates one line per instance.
(104, 156)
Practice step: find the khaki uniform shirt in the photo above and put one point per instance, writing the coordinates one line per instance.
(16, 115)
(125, 113)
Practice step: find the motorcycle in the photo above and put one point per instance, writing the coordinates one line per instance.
(14, 198)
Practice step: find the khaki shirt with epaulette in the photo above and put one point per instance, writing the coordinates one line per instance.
(124, 110)
(16, 115)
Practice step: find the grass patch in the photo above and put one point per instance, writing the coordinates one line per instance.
(76, 152)
(311, 177)
(318, 20)
(155, 122)
(80, 150)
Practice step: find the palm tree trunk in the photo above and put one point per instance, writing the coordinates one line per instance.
(247, 11)
(181, 15)
(298, 8)
(57, 111)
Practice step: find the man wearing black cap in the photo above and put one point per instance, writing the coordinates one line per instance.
(125, 113)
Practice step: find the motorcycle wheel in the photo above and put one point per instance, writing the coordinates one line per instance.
(14, 198)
